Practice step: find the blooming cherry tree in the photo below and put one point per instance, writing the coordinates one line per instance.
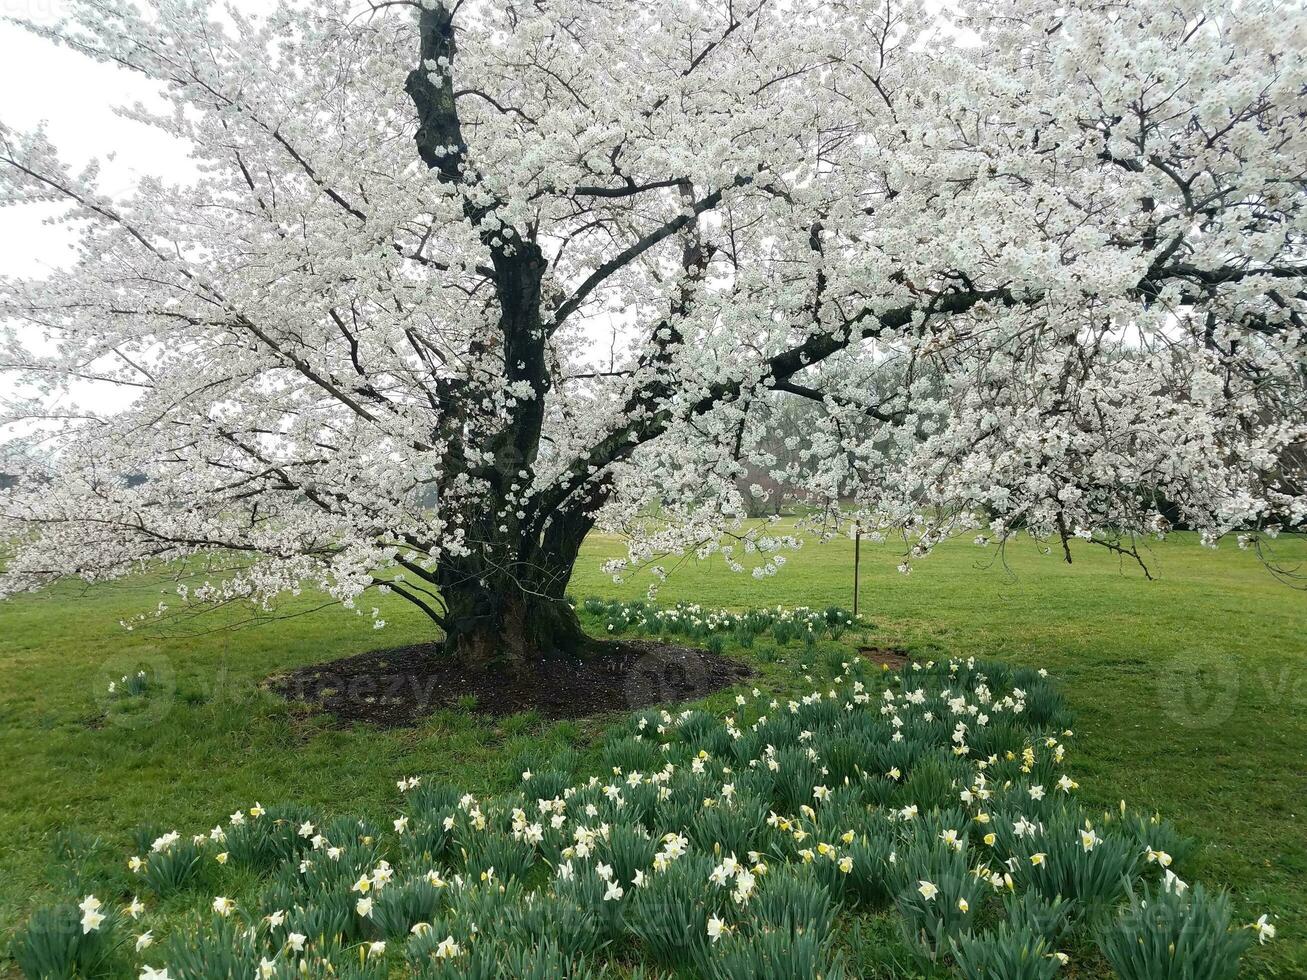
(459, 281)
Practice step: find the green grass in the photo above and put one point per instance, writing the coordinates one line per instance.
(1189, 691)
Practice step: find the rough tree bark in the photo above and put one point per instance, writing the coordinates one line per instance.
(506, 603)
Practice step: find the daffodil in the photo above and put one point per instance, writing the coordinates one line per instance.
(447, 949)
(1263, 928)
(1159, 857)
(164, 841)
(927, 890)
(223, 906)
(92, 917)
(717, 928)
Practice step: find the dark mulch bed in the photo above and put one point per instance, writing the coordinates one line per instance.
(398, 687)
(885, 656)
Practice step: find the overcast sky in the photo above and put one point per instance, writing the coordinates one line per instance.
(74, 96)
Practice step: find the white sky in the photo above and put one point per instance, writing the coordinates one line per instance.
(74, 96)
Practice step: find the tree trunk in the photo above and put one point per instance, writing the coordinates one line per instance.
(504, 602)
(508, 624)
(506, 605)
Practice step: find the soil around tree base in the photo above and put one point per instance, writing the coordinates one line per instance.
(890, 657)
(399, 687)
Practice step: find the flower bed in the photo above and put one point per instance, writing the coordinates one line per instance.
(703, 845)
(714, 627)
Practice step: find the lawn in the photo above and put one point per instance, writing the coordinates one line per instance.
(1189, 694)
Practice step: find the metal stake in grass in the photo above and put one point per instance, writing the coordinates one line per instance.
(857, 560)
